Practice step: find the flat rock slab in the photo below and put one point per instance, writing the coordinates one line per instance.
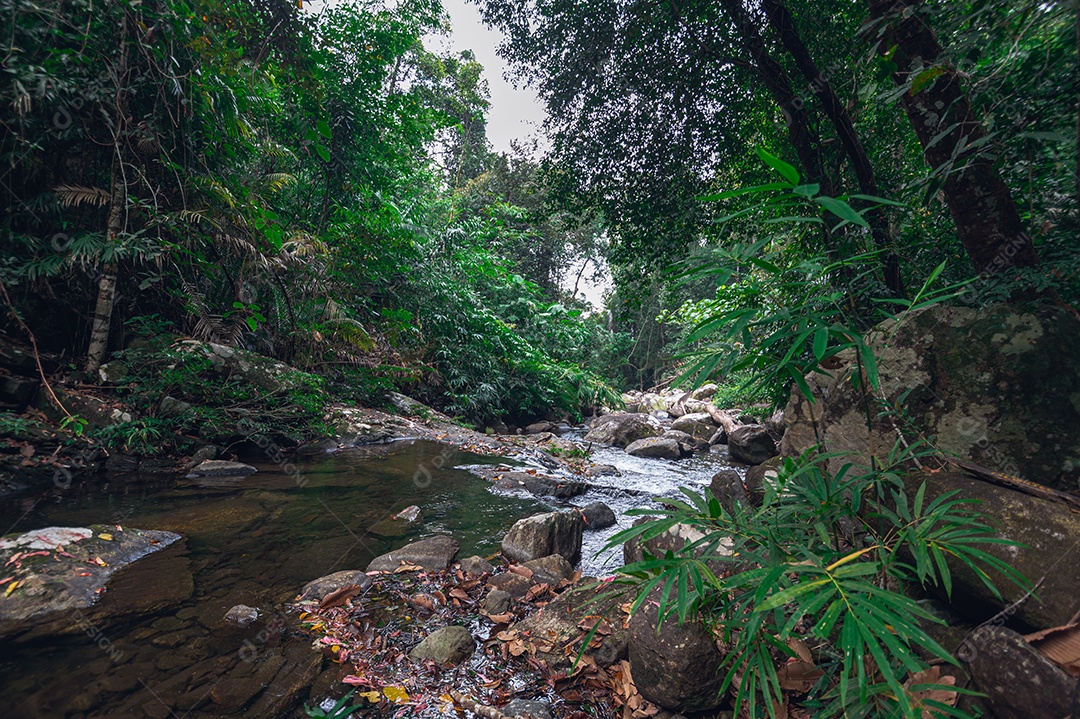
(541, 485)
(221, 468)
(432, 555)
(65, 577)
(447, 645)
(544, 534)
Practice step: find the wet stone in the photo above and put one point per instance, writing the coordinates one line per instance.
(497, 601)
(170, 640)
(168, 624)
(528, 708)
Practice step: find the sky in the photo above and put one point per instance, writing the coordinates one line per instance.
(516, 113)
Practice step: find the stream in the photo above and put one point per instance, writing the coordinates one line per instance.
(256, 541)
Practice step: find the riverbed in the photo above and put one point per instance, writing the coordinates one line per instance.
(256, 540)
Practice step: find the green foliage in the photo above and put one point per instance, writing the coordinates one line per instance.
(145, 437)
(778, 314)
(16, 426)
(826, 557)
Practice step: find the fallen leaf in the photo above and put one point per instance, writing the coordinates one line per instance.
(408, 568)
(1060, 645)
(10, 589)
(104, 535)
(340, 596)
(936, 693)
(523, 571)
(396, 694)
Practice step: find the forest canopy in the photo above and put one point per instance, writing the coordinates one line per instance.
(317, 185)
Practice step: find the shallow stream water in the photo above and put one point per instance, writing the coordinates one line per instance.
(256, 541)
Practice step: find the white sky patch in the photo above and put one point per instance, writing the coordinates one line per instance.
(516, 113)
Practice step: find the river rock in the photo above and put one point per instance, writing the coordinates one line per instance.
(1020, 683)
(550, 570)
(688, 442)
(541, 485)
(541, 427)
(751, 444)
(558, 623)
(407, 521)
(719, 437)
(598, 516)
(451, 645)
(528, 708)
(671, 540)
(997, 386)
(603, 470)
(698, 424)
(620, 430)
(241, 615)
(656, 447)
(705, 391)
(497, 601)
(758, 476)
(433, 555)
(316, 589)
(1047, 532)
(221, 468)
(544, 534)
(51, 587)
(675, 667)
(476, 565)
(727, 487)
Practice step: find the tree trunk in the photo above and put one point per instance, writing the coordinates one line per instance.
(1076, 170)
(803, 139)
(980, 203)
(106, 296)
(784, 26)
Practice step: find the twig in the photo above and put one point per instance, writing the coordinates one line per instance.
(1011, 609)
(33, 345)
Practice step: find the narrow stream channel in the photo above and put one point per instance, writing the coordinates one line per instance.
(256, 541)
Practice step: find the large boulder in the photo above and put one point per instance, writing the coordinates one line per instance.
(433, 555)
(698, 424)
(751, 444)
(997, 386)
(656, 447)
(1019, 682)
(623, 429)
(544, 534)
(676, 667)
(1046, 533)
(267, 374)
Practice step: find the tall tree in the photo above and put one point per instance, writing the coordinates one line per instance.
(981, 205)
(784, 26)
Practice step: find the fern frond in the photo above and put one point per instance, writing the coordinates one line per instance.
(75, 195)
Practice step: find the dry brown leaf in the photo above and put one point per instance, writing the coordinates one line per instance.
(1061, 645)
(408, 568)
(523, 571)
(340, 596)
(944, 696)
(799, 676)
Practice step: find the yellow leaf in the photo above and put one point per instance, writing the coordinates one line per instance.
(848, 558)
(10, 589)
(373, 697)
(396, 694)
(106, 537)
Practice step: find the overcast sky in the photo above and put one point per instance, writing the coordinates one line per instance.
(515, 113)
